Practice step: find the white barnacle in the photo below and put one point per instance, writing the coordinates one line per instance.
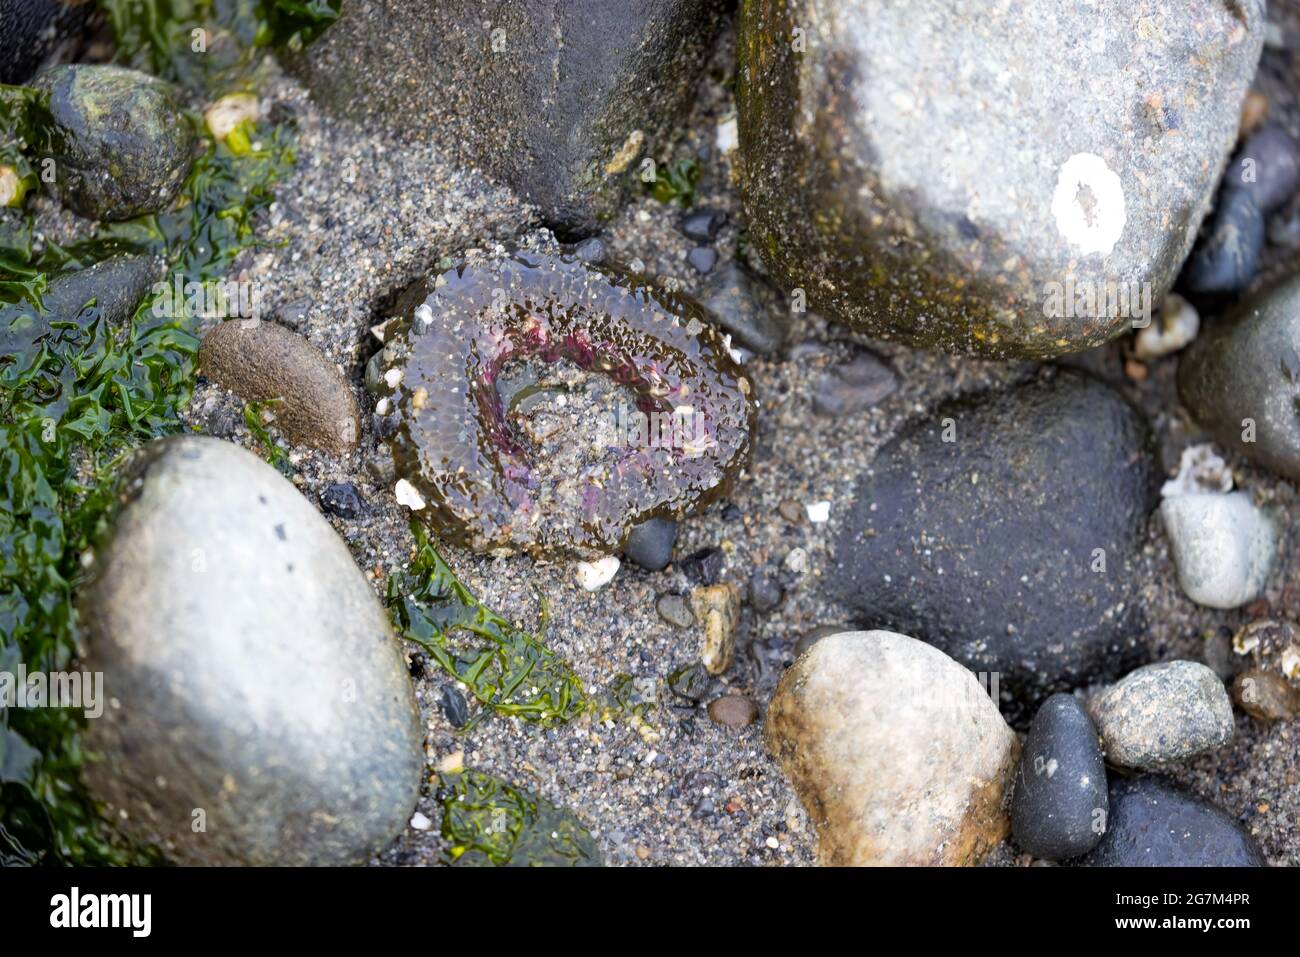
(1089, 204)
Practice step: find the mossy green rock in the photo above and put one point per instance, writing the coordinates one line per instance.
(1005, 529)
(955, 175)
(558, 99)
(120, 145)
(1240, 379)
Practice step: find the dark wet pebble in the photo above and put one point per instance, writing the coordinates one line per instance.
(1227, 258)
(733, 710)
(731, 512)
(702, 259)
(853, 386)
(702, 224)
(999, 585)
(454, 706)
(691, 682)
(650, 545)
(1266, 167)
(222, 424)
(675, 610)
(343, 499)
(765, 591)
(747, 307)
(1059, 806)
(704, 567)
(1154, 824)
(294, 314)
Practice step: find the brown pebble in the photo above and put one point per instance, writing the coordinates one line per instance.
(733, 710)
(791, 511)
(1254, 110)
(265, 362)
(1265, 695)
(1135, 370)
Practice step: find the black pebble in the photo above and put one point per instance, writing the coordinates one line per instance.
(1059, 806)
(702, 225)
(704, 567)
(703, 259)
(454, 706)
(343, 499)
(650, 545)
(1227, 259)
(1154, 824)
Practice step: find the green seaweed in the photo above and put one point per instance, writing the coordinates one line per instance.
(676, 182)
(75, 396)
(209, 44)
(489, 822)
(504, 667)
(271, 450)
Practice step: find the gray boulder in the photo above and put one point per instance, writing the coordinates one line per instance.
(956, 174)
(560, 99)
(260, 711)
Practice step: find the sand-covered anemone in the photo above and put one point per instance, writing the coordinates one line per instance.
(536, 402)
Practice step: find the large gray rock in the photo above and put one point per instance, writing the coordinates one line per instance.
(260, 710)
(897, 753)
(932, 172)
(120, 144)
(558, 98)
(1004, 528)
(1240, 379)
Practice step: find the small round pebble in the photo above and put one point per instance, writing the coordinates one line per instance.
(342, 499)
(650, 545)
(1163, 712)
(733, 710)
(1265, 695)
(702, 225)
(675, 610)
(702, 259)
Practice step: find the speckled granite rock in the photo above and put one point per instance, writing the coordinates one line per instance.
(120, 145)
(1153, 824)
(560, 100)
(265, 362)
(1003, 529)
(1059, 806)
(1121, 113)
(897, 753)
(1240, 379)
(263, 711)
(1164, 712)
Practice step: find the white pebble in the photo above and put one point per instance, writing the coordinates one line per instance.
(1177, 326)
(407, 495)
(818, 512)
(393, 377)
(797, 561)
(597, 574)
(727, 137)
(420, 822)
